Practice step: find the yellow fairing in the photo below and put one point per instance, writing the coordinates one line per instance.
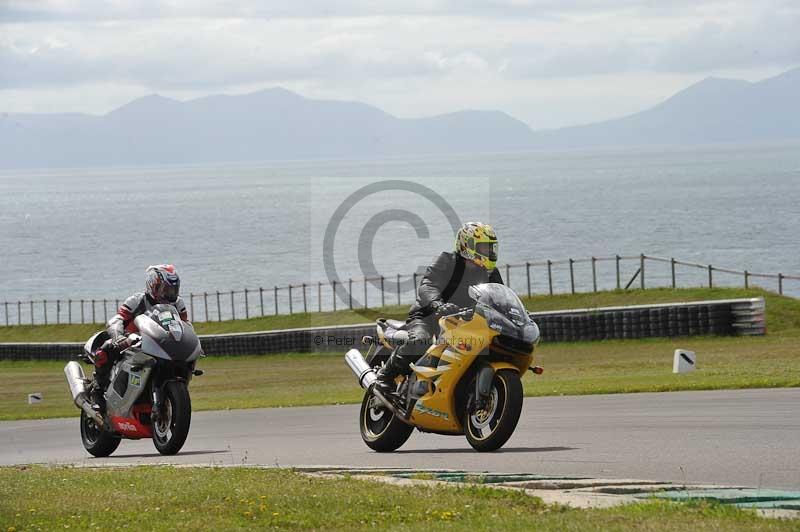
(460, 344)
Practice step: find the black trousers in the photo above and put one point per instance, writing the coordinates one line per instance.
(420, 337)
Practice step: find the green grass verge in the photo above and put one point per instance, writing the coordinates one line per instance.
(570, 368)
(79, 333)
(167, 498)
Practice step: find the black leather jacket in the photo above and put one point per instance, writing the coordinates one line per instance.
(448, 280)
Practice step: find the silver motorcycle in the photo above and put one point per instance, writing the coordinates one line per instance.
(148, 394)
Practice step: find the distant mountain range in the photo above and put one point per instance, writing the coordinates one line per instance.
(275, 124)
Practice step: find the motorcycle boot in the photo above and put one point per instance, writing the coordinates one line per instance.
(388, 373)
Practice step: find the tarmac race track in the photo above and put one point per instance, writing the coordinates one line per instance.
(743, 437)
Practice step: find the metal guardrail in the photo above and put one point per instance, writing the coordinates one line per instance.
(529, 278)
(720, 317)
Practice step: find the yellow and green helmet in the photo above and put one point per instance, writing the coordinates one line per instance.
(477, 242)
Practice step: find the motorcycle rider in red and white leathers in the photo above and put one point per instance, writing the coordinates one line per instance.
(162, 286)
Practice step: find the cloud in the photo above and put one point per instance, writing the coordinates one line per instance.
(171, 53)
(103, 10)
(479, 51)
(218, 53)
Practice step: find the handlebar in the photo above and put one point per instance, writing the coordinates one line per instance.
(462, 312)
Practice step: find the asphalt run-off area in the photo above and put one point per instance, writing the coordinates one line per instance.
(742, 437)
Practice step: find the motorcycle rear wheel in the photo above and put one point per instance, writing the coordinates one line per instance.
(490, 428)
(172, 426)
(380, 429)
(97, 442)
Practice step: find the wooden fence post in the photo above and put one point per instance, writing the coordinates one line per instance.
(672, 267)
(710, 276)
(571, 276)
(219, 308)
(746, 279)
(619, 284)
(246, 305)
(550, 275)
(261, 299)
(641, 270)
(275, 296)
(233, 307)
(528, 276)
(594, 274)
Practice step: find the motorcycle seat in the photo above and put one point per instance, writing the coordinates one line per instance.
(395, 337)
(397, 325)
(394, 331)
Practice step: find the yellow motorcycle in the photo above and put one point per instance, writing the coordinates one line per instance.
(468, 381)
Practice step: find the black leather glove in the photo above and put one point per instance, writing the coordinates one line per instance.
(440, 308)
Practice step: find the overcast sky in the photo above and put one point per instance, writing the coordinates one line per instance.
(548, 62)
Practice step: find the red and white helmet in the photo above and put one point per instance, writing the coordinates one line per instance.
(162, 283)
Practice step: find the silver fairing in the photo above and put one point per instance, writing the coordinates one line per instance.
(94, 342)
(130, 383)
(180, 344)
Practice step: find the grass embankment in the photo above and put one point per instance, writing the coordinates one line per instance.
(237, 498)
(570, 368)
(79, 333)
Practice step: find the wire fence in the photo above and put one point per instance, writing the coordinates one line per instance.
(527, 279)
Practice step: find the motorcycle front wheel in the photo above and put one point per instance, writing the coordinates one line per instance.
(171, 427)
(490, 427)
(98, 442)
(380, 428)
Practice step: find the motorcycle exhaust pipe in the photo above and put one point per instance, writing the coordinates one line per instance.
(364, 373)
(77, 387)
(367, 377)
(76, 379)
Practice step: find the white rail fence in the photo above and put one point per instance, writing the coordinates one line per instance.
(620, 272)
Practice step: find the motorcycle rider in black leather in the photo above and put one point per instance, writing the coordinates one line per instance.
(442, 291)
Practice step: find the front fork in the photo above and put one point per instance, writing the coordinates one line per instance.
(483, 386)
(157, 393)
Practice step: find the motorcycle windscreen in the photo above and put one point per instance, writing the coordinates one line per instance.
(504, 312)
(167, 343)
